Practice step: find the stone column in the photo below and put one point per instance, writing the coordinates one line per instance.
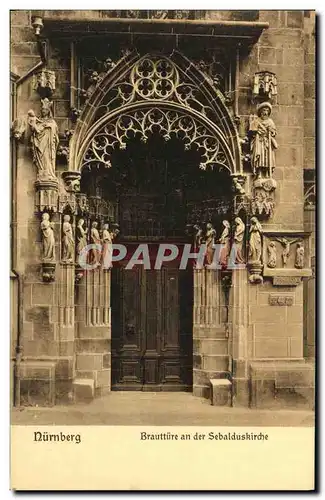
(238, 335)
(210, 342)
(93, 359)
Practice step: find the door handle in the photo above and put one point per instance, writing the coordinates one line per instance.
(130, 329)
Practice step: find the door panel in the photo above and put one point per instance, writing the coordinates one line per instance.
(151, 329)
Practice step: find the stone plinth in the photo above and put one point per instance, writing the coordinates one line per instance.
(220, 392)
(37, 383)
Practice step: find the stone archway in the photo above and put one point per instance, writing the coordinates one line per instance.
(137, 98)
(170, 93)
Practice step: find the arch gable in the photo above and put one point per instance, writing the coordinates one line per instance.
(131, 97)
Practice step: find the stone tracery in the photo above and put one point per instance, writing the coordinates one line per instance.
(157, 93)
(144, 122)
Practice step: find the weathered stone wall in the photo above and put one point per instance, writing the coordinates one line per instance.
(43, 339)
(310, 174)
(280, 50)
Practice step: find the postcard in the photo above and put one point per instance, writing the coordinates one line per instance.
(162, 274)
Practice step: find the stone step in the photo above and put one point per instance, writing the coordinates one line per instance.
(83, 390)
(37, 383)
(221, 390)
(203, 377)
(210, 346)
(201, 391)
(102, 378)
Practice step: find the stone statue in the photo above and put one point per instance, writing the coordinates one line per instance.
(225, 242)
(263, 141)
(239, 240)
(286, 248)
(67, 240)
(198, 237)
(210, 236)
(95, 254)
(48, 241)
(108, 238)
(81, 236)
(300, 256)
(44, 139)
(271, 254)
(255, 241)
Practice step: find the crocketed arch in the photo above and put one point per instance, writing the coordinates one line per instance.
(170, 95)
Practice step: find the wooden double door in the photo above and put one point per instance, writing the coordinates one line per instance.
(152, 329)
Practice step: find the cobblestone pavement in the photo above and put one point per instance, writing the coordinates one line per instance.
(140, 408)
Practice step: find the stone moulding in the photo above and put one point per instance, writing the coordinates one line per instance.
(287, 272)
(286, 280)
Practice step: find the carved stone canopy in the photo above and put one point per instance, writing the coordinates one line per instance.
(265, 85)
(47, 192)
(44, 83)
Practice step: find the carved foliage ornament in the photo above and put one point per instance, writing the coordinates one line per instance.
(280, 300)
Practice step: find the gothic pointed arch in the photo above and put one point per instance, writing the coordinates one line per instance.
(155, 93)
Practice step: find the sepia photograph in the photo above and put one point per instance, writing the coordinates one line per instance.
(162, 223)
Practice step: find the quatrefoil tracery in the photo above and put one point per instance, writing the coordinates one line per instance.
(155, 78)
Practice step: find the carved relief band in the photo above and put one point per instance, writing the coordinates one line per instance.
(280, 300)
